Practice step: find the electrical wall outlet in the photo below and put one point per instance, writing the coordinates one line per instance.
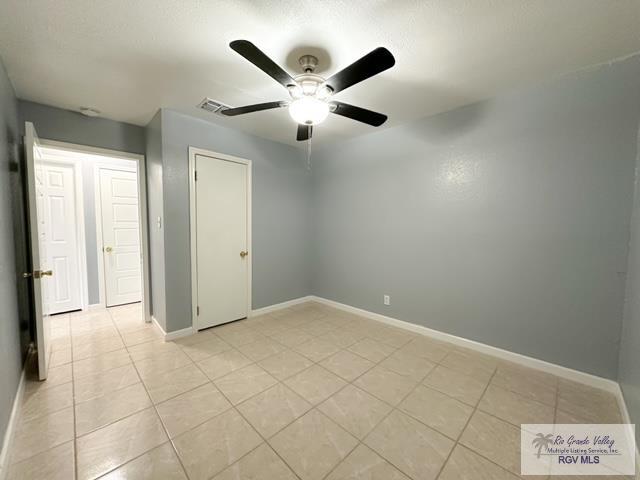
(387, 300)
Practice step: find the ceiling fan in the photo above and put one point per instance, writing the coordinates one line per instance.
(312, 95)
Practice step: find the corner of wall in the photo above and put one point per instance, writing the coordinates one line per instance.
(629, 347)
(13, 253)
(155, 206)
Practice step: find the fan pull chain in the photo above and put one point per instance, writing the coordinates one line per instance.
(309, 154)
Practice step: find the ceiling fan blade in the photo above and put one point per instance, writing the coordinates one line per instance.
(304, 132)
(357, 113)
(371, 64)
(252, 53)
(232, 112)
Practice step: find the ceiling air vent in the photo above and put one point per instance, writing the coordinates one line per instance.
(212, 106)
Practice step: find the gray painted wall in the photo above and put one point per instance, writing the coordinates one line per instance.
(14, 327)
(53, 123)
(629, 370)
(66, 126)
(505, 222)
(155, 205)
(281, 213)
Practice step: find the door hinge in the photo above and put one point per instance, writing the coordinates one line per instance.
(195, 175)
(198, 310)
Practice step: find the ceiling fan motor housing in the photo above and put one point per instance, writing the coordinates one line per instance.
(310, 85)
(308, 63)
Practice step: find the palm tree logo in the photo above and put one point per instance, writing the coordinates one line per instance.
(542, 441)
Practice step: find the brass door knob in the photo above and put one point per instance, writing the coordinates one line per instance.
(108, 249)
(244, 254)
(40, 273)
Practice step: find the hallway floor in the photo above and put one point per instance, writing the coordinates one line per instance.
(307, 393)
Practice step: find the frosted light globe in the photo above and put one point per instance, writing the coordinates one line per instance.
(308, 110)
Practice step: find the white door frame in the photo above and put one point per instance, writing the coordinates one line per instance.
(142, 210)
(193, 151)
(49, 157)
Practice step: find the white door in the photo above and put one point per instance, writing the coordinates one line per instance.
(60, 230)
(42, 272)
(222, 189)
(120, 236)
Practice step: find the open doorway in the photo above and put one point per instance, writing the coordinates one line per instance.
(95, 217)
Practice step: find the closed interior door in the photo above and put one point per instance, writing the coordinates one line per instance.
(41, 273)
(120, 236)
(221, 241)
(60, 235)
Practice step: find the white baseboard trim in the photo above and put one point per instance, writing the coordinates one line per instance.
(280, 306)
(157, 325)
(185, 332)
(558, 370)
(11, 427)
(96, 306)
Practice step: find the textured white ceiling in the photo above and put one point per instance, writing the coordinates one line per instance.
(128, 58)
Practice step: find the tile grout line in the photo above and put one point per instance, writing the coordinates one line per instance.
(285, 348)
(234, 406)
(457, 441)
(341, 348)
(313, 363)
(73, 404)
(555, 417)
(393, 409)
(264, 440)
(375, 364)
(237, 411)
(476, 408)
(313, 407)
(278, 382)
(159, 417)
(420, 382)
(119, 335)
(75, 432)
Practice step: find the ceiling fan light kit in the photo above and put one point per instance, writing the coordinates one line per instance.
(312, 95)
(308, 110)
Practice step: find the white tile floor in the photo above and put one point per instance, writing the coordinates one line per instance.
(304, 393)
